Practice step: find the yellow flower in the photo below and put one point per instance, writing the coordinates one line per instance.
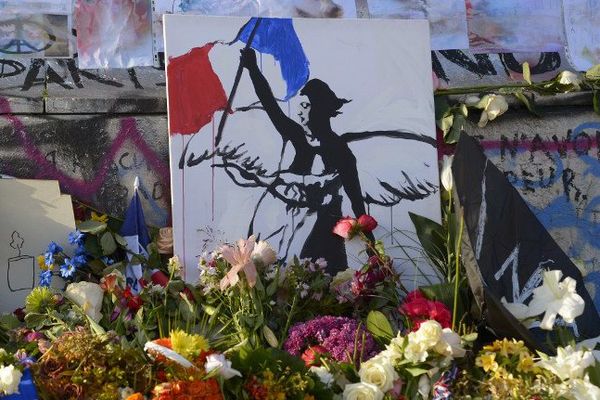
(506, 347)
(526, 363)
(188, 345)
(41, 261)
(487, 362)
(99, 217)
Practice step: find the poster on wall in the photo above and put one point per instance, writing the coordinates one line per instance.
(114, 33)
(515, 26)
(35, 28)
(33, 213)
(245, 8)
(325, 118)
(447, 19)
(582, 30)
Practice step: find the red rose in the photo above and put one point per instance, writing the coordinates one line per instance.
(345, 228)
(367, 223)
(312, 355)
(439, 312)
(415, 294)
(418, 307)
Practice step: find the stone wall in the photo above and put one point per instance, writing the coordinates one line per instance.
(96, 130)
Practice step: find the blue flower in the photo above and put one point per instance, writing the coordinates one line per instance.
(79, 260)
(48, 258)
(68, 268)
(107, 261)
(45, 278)
(76, 238)
(81, 251)
(54, 248)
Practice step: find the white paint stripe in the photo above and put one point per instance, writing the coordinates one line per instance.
(512, 259)
(482, 215)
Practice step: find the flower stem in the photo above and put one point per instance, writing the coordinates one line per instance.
(457, 273)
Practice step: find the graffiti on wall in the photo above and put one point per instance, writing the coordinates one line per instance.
(557, 174)
(98, 169)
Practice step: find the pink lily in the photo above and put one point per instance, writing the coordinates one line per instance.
(240, 258)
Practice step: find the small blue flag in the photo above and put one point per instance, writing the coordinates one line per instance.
(27, 390)
(136, 235)
(276, 36)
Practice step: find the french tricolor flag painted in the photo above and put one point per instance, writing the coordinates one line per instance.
(196, 91)
(135, 233)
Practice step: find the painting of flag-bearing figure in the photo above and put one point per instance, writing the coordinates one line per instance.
(279, 127)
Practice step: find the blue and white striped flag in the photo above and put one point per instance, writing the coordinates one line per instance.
(134, 231)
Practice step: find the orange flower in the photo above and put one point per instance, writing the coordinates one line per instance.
(135, 396)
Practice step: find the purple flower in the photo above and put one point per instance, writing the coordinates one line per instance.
(343, 338)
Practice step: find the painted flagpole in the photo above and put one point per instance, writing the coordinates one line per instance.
(236, 82)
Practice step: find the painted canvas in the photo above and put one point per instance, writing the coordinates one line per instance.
(279, 127)
(582, 30)
(114, 33)
(447, 19)
(245, 8)
(35, 28)
(515, 25)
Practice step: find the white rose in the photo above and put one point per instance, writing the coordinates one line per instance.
(88, 296)
(450, 344)
(10, 377)
(323, 374)
(569, 78)
(569, 363)
(362, 391)
(446, 173)
(493, 106)
(415, 352)
(424, 386)
(378, 371)
(263, 253)
(218, 362)
(428, 334)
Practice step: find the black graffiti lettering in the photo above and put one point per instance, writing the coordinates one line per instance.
(482, 65)
(11, 68)
(547, 62)
(53, 77)
(527, 183)
(569, 187)
(437, 67)
(134, 79)
(158, 191)
(121, 161)
(74, 71)
(506, 144)
(582, 147)
(31, 78)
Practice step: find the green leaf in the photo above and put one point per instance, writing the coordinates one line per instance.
(593, 73)
(457, 127)
(416, 371)
(445, 124)
(272, 287)
(430, 235)
(526, 73)
(108, 243)
(92, 227)
(442, 106)
(596, 101)
(471, 337)
(379, 326)
(528, 102)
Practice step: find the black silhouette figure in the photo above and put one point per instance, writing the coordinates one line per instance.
(323, 199)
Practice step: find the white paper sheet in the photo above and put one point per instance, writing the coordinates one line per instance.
(114, 33)
(582, 29)
(515, 25)
(33, 213)
(447, 19)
